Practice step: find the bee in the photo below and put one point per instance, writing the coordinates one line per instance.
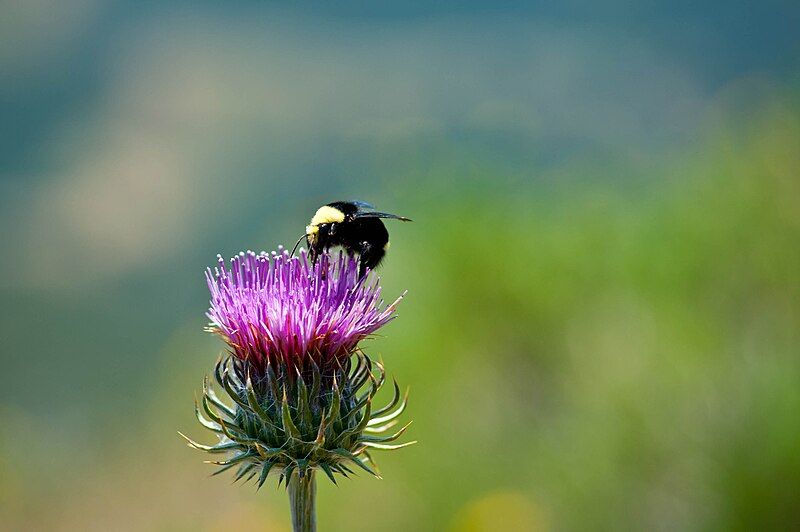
(354, 226)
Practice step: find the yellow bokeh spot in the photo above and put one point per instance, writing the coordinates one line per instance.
(508, 511)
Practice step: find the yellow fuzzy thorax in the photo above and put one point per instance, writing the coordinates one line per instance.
(324, 215)
(327, 215)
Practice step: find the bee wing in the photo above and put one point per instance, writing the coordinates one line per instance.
(374, 214)
(362, 204)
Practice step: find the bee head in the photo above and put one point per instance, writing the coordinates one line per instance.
(323, 222)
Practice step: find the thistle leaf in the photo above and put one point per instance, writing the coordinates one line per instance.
(368, 457)
(268, 452)
(251, 475)
(386, 439)
(232, 393)
(333, 411)
(212, 396)
(347, 469)
(382, 447)
(358, 428)
(243, 470)
(302, 466)
(287, 473)
(388, 417)
(264, 473)
(303, 407)
(272, 380)
(341, 470)
(221, 448)
(316, 379)
(252, 401)
(320, 440)
(344, 453)
(392, 403)
(327, 469)
(244, 440)
(206, 423)
(366, 398)
(221, 469)
(234, 460)
(288, 424)
(360, 373)
(381, 428)
(215, 417)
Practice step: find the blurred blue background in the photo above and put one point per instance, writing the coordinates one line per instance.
(601, 330)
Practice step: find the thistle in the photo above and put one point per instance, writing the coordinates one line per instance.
(299, 388)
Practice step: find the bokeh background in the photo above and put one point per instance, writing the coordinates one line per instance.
(602, 330)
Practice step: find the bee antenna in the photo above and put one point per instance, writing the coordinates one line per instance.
(297, 244)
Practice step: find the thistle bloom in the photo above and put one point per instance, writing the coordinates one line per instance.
(273, 308)
(299, 385)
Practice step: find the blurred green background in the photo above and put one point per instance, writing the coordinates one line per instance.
(602, 330)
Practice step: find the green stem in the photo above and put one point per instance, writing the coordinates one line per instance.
(302, 499)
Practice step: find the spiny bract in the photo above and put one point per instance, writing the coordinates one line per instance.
(300, 390)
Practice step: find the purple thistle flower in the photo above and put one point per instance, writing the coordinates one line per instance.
(272, 308)
(301, 392)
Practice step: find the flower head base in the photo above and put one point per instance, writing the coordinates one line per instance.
(300, 389)
(273, 307)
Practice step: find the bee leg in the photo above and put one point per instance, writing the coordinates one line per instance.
(313, 255)
(371, 256)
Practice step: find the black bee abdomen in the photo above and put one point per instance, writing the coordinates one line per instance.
(367, 237)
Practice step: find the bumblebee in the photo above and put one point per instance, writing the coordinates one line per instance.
(354, 226)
